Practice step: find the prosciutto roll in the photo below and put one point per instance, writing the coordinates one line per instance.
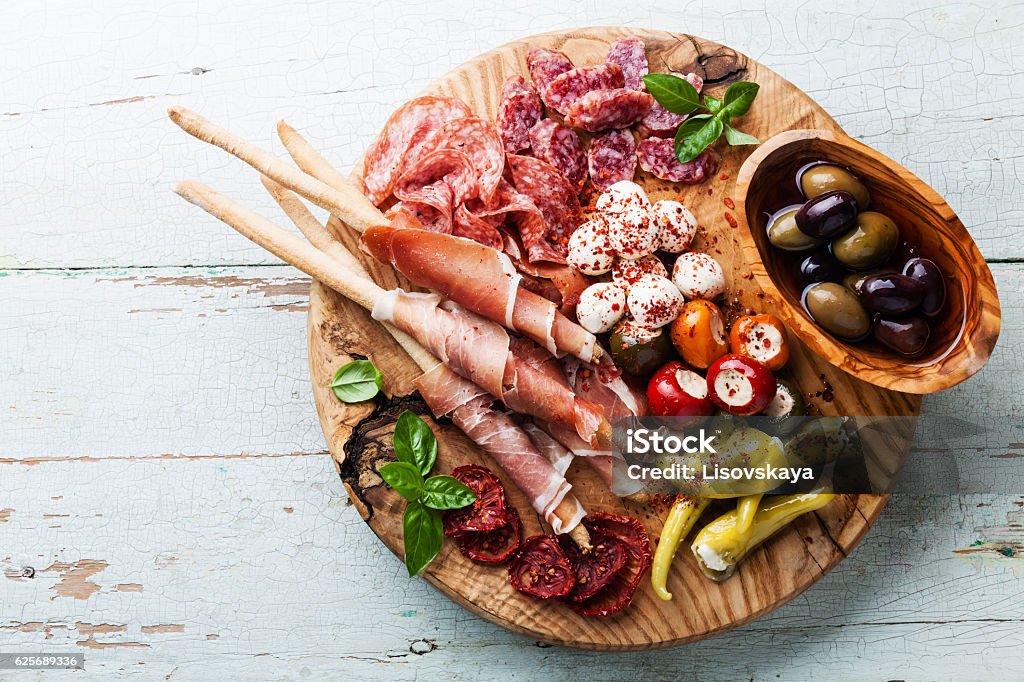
(617, 399)
(482, 279)
(511, 448)
(483, 352)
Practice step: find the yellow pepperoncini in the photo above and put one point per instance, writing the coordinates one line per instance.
(683, 515)
(720, 546)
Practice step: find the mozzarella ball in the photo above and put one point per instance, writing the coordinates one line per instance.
(601, 306)
(654, 302)
(633, 234)
(698, 275)
(590, 249)
(626, 273)
(676, 225)
(622, 195)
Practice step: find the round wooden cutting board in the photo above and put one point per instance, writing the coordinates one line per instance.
(359, 435)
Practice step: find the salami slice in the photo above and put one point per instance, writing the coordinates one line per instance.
(493, 546)
(629, 54)
(568, 87)
(473, 221)
(596, 568)
(431, 205)
(546, 65)
(488, 512)
(519, 111)
(618, 594)
(479, 140)
(561, 147)
(557, 203)
(541, 569)
(434, 188)
(657, 156)
(411, 123)
(659, 121)
(607, 109)
(611, 157)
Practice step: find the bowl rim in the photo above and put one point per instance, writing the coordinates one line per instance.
(970, 353)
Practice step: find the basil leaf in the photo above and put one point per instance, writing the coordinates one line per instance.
(403, 477)
(712, 104)
(446, 492)
(695, 135)
(414, 442)
(356, 381)
(674, 93)
(736, 137)
(739, 97)
(423, 532)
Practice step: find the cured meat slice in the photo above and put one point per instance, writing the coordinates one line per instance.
(510, 447)
(617, 400)
(559, 206)
(519, 111)
(605, 109)
(479, 140)
(477, 223)
(495, 546)
(546, 65)
(408, 126)
(618, 594)
(432, 206)
(657, 156)
(568, 87)
(541, 569)
(611, 158)
(483, 352)
(594, 568)
(482, 279)
(438, 184)
(629, 54)
(556, 453)
(561, 147)
(659, 121)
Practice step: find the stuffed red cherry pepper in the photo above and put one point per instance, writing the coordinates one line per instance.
(761, 337)
(740, 385)
(675, 390)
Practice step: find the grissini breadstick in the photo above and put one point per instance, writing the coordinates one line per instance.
(492, 289)
(509, 447)
(349, 206)
(508, 304)
(471, 346)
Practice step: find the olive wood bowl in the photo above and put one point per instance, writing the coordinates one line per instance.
(965, 331)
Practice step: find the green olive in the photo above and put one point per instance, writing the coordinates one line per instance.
(837, 310)
(854, 280)
(639, 351)
(867, 244)
(784, 234)
(825, 177)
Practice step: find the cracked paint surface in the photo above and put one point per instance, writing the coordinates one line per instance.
(166, 502)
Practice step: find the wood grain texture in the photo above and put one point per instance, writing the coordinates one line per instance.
(161, 416)
(783, 567)
(234, 526)
(962, 336)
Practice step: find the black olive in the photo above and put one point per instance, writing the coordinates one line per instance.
(821, 266)
(827, 215)
(905, 252)
(891, 294)
(906, 336)
(927, 273)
